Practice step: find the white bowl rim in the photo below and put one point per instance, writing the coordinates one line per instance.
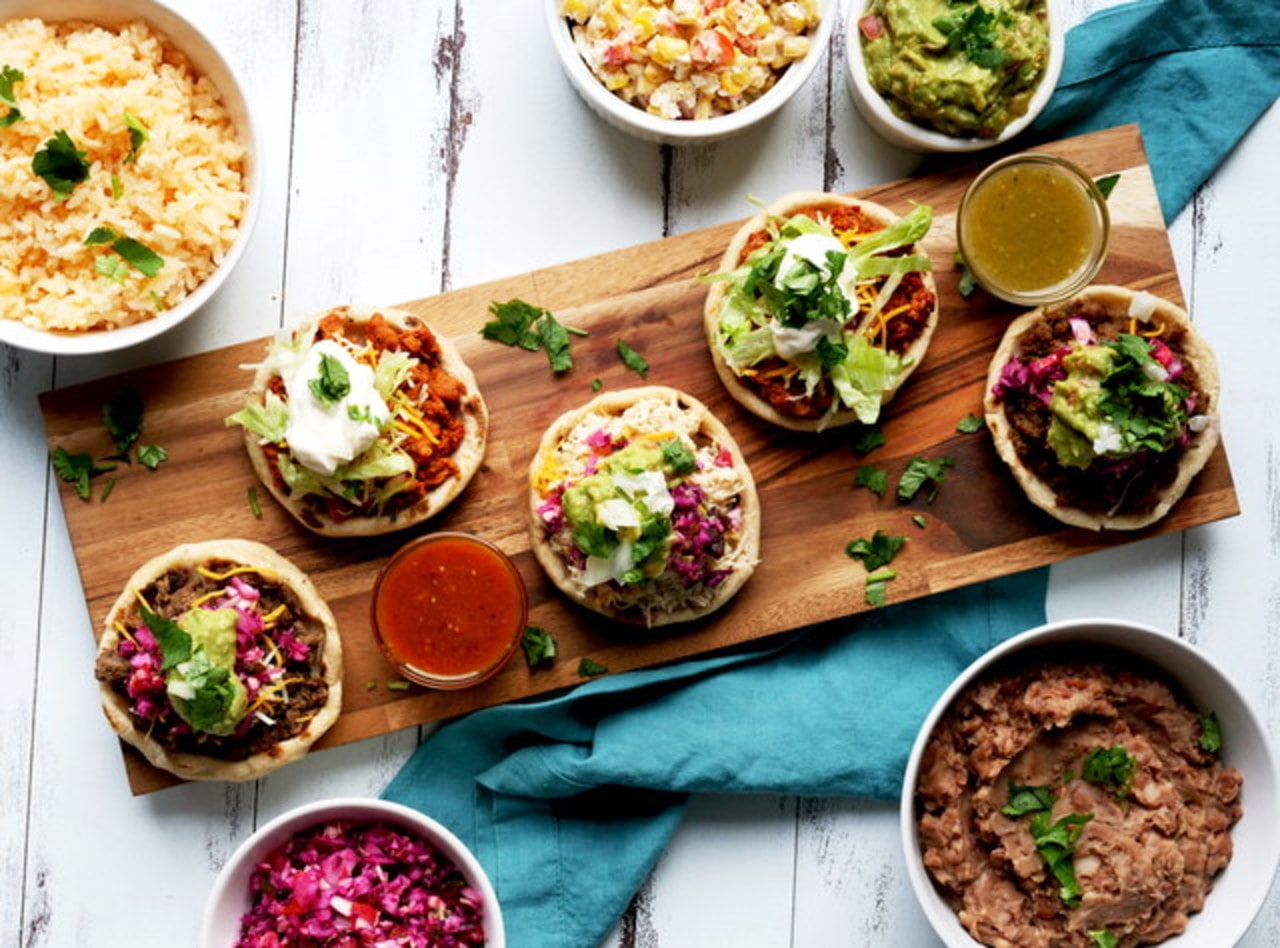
(687, 131)
(370, 809)
(919, 138)
(942, 918)
(231, 90)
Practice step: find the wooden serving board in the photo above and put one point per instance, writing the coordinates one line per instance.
(979, 526)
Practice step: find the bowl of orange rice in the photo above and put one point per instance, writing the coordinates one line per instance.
(127, 166)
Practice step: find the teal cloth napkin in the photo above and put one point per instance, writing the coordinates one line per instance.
(568, 802)
(1194, 74)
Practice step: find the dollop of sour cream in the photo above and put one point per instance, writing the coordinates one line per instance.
(321, 434)
(811, 248)
(790, 341)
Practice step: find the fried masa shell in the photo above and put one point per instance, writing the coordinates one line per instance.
(1115, 302)
(736, 253)
(326, 665)
(468, 456)
(743, 555)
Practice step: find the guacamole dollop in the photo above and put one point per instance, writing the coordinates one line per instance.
(963, 68)
(204, 689)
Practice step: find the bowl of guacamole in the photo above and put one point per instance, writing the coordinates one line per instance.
(935, 75)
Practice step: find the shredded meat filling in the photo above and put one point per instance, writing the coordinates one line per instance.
(435, 394)
(1133, 486)
(172, 594)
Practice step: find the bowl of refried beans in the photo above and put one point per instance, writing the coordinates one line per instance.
(1092, 782)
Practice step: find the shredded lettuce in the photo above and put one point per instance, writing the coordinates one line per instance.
(392, 369)
(906, 230)
(864, 376)
(268, 420)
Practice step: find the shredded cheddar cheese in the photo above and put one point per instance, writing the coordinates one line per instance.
(266, 574)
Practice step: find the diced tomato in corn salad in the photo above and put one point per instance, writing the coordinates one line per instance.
(691, 59)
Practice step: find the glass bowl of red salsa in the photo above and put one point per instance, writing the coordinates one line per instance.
(449, 610)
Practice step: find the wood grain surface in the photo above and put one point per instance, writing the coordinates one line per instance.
(979, 526)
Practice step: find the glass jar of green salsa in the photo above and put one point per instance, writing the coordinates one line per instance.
(1033, 228)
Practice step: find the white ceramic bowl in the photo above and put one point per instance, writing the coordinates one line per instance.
(908, 135)
(638, 122)
(1240, 890)
(207, 61)
(229, 899)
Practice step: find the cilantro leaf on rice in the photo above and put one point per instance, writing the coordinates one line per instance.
(61, 164)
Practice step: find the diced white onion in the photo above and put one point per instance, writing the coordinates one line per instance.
(616, 513)
(1143, 306)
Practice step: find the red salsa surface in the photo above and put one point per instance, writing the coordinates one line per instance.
(449, 608)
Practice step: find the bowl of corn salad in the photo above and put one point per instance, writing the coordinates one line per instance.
(688, 71)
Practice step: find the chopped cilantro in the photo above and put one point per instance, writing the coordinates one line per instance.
(919, 472)
(125, 250)
(522, 324)
(1210, 733)
(877, 552)
(107, 488)
(255, 507)
(1107, 184)
(139, 256)
(967, 283)
(8, 76)
(1112, 767)
(882, 575)
(866, 438)
(77, 469)
(1148, 413)
(633, 360)
(61, 164)
(588, 668)
(974, 32)
(1023, 800)
(918, 520)
(100, 235)
(398, 685)
(539, 646)
(111, 266)
(370, 685)
(874, 479)
(333, 383)
(1103, 938)
(138, 134)
(677, 456)
(174, 641)
(970, 424)
(596, 385)
(831, 353)
(152, 455)
(1056, 843)
(122, 417)
(511, 328)
(875, 593)
(555, 340)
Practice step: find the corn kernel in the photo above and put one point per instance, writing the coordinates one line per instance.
(795, 47)
(644, 23)
(734, 79)
(791, 17)
(665, 50)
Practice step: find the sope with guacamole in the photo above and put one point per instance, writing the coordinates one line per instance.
(966, 69)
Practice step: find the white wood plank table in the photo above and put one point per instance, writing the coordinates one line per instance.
(411, 146)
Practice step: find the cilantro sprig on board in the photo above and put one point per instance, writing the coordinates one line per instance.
(522, 324)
